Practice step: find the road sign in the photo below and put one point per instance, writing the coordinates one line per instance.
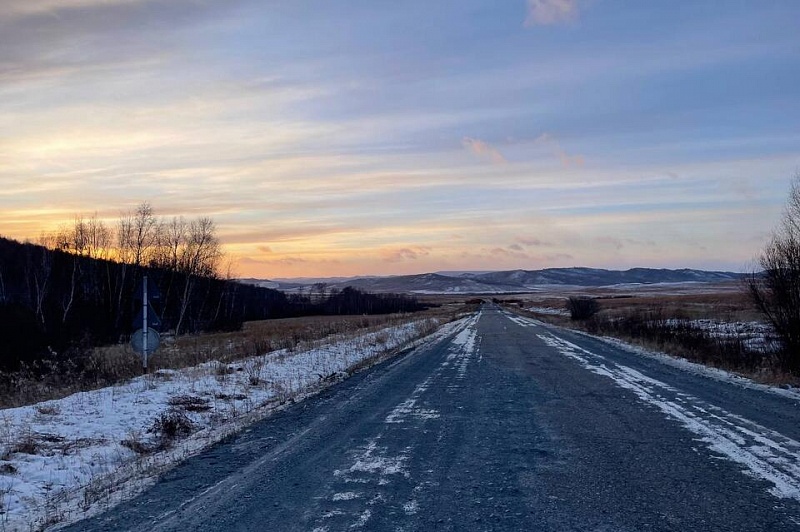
(152, 291)
(153, 320)
(153, 341)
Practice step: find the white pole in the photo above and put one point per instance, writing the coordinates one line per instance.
(144, 326)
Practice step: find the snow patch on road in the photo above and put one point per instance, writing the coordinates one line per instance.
(465, 340)
(409, 409)
(519, 320)
(765, 454)
(411, 507)
(464, 346)
(373, 461)
(346, 496)
(362, 519)
(374, 466)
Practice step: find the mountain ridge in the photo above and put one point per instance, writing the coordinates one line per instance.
(507, 281)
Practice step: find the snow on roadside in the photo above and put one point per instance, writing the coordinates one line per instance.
(67, 459)
(549, 311)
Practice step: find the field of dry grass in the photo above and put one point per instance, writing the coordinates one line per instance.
(724, 301)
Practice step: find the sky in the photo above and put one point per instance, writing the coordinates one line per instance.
(355, 137)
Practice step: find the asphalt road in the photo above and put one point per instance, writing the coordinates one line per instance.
(507, 425)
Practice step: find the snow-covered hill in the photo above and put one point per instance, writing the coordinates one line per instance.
(512, 281)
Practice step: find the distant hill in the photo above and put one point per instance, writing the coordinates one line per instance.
(513, 280)
(600, 277)
(275, 285)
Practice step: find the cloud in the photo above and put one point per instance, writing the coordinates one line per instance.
(28, 7)
(554, 146)
(483, 150)
(404, 254)
(611, 241)
(620, 243)
(509, 253)
(549, 12)
(531, 242)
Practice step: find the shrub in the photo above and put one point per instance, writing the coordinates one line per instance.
(171, 425)
(582, 308)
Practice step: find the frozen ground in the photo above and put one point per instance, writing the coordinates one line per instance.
(67, 459)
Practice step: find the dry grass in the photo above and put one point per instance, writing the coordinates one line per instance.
(721, 302)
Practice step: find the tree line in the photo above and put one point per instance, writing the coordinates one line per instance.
(77, 287)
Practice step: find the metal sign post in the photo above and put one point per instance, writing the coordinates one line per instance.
(145, 338)
(144, 328)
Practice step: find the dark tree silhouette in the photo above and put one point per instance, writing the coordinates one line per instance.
(54, 304)
(776, 289)
(582, 308)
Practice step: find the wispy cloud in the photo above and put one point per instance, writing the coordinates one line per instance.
(483, 150)
(554, 146)
(620, 243)
(509, 253)
(27, 7)
(533, 242)
(547, 12)
(404, 254)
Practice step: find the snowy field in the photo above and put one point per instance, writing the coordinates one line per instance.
(549, 311)
(71, 458)
(754, 335)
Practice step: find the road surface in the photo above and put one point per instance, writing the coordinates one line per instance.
(506, 425)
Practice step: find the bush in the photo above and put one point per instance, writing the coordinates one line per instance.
(171, 425)
(582, 308)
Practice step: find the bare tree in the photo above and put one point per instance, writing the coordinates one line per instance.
(144, 233)
(125, 238)
(200, 257)
(173, 241)
(2, 285)
(776, 289)
(98, 238)
(202, 253)
(39, 267)
(137, 235)
(77, 241)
